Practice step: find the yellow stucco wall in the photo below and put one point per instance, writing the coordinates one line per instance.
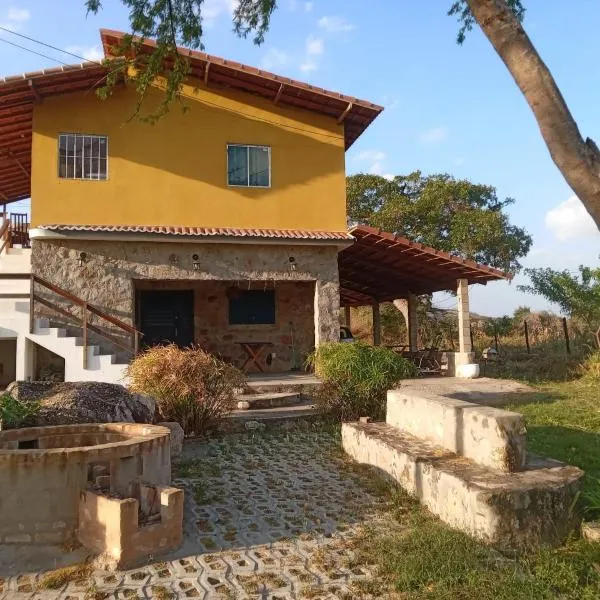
(175, 172)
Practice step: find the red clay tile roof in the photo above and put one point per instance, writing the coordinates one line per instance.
(205, 232)
(19, 93)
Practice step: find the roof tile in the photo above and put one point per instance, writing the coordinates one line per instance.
(204, 232)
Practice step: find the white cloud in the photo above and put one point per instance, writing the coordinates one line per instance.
(314, 46)
(308, 65)
(308, 6)
(371, 155)
(18, 15)
(14, 18)
(274, 59)
(213, 9)
(569, 220)
(93, 53)
(335, 24)
(435, 135)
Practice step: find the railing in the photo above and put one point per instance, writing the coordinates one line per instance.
(86, 310)
(19, 229)
(14, 230)
(5, 235)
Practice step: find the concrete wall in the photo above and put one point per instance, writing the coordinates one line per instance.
(175, 172)
(44, 485)
(489, 436)
(113, 270)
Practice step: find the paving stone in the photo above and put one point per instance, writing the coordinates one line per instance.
(267, 515)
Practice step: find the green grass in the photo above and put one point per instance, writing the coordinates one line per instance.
(419, 557)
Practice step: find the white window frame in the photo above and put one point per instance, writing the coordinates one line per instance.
(83, 135)
(248, 186)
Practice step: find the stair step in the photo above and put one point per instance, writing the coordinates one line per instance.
(268, 400)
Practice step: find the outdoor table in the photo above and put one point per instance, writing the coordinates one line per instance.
(253, 350)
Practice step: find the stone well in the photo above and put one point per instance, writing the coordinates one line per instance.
(45, 470)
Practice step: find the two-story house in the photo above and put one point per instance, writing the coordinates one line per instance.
(219, 226)
(223, 226)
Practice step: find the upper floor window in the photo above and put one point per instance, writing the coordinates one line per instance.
(248, 166)
(82, 156)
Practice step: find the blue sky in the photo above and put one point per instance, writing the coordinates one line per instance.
(449, 109)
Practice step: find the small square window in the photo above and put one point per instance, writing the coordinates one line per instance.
(82, 156)
(248, 166)
(252, 307)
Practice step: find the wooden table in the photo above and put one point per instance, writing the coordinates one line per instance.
(253, 350)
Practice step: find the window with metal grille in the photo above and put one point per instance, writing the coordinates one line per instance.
(252, 307)
(82, 156)
(248, 166)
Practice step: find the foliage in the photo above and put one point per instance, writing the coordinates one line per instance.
(190, 386)
(577, 295)
(498, 326)
(453, 215)
(171, 23)
(357, 377)
(17, 413)
(590, 369)
(461, 9)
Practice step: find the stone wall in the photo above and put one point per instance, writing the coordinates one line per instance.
(291, 338)
(113, 270)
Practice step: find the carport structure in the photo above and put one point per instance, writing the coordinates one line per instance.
(382, 267)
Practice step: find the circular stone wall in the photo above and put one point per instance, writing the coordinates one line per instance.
(43, 470)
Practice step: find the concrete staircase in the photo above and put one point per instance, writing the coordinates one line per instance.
(101, 364)
(274, 401)
(104, 363)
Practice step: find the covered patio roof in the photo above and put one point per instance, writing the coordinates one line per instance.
(381, 267)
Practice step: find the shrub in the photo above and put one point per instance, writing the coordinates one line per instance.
(17, 413)
(590, 368)
(357, 377)
(190, 385)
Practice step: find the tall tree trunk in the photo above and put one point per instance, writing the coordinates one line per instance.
(577, 159)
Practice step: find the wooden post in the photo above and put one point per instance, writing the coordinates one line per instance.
(31, 303)
(84, 317)
(471, 336)
(347, 317)
(526, 330)
(136, 343)
(566, 330)
(376, 324)
(496, 341)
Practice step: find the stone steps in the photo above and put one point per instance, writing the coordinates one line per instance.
(511, 511)
(257, 419)
(302, 383)
(268, 400)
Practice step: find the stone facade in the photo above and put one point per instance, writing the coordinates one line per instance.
(307, 297)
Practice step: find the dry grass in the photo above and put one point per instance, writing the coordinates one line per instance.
(160, 592)
(191, 386)
(57, 579)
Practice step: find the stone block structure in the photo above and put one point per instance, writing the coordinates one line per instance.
(468, 465)
(51, 470)
(126, 531)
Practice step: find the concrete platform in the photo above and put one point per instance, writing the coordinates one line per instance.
(268, 400)
(285, 417)
(487, 391)
(512, 511)
(296, 382)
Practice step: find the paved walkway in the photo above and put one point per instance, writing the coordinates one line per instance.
(266, 516)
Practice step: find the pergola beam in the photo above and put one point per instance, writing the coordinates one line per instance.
(18, 162)
(278, 95)
(343, 116)
(34, 91)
